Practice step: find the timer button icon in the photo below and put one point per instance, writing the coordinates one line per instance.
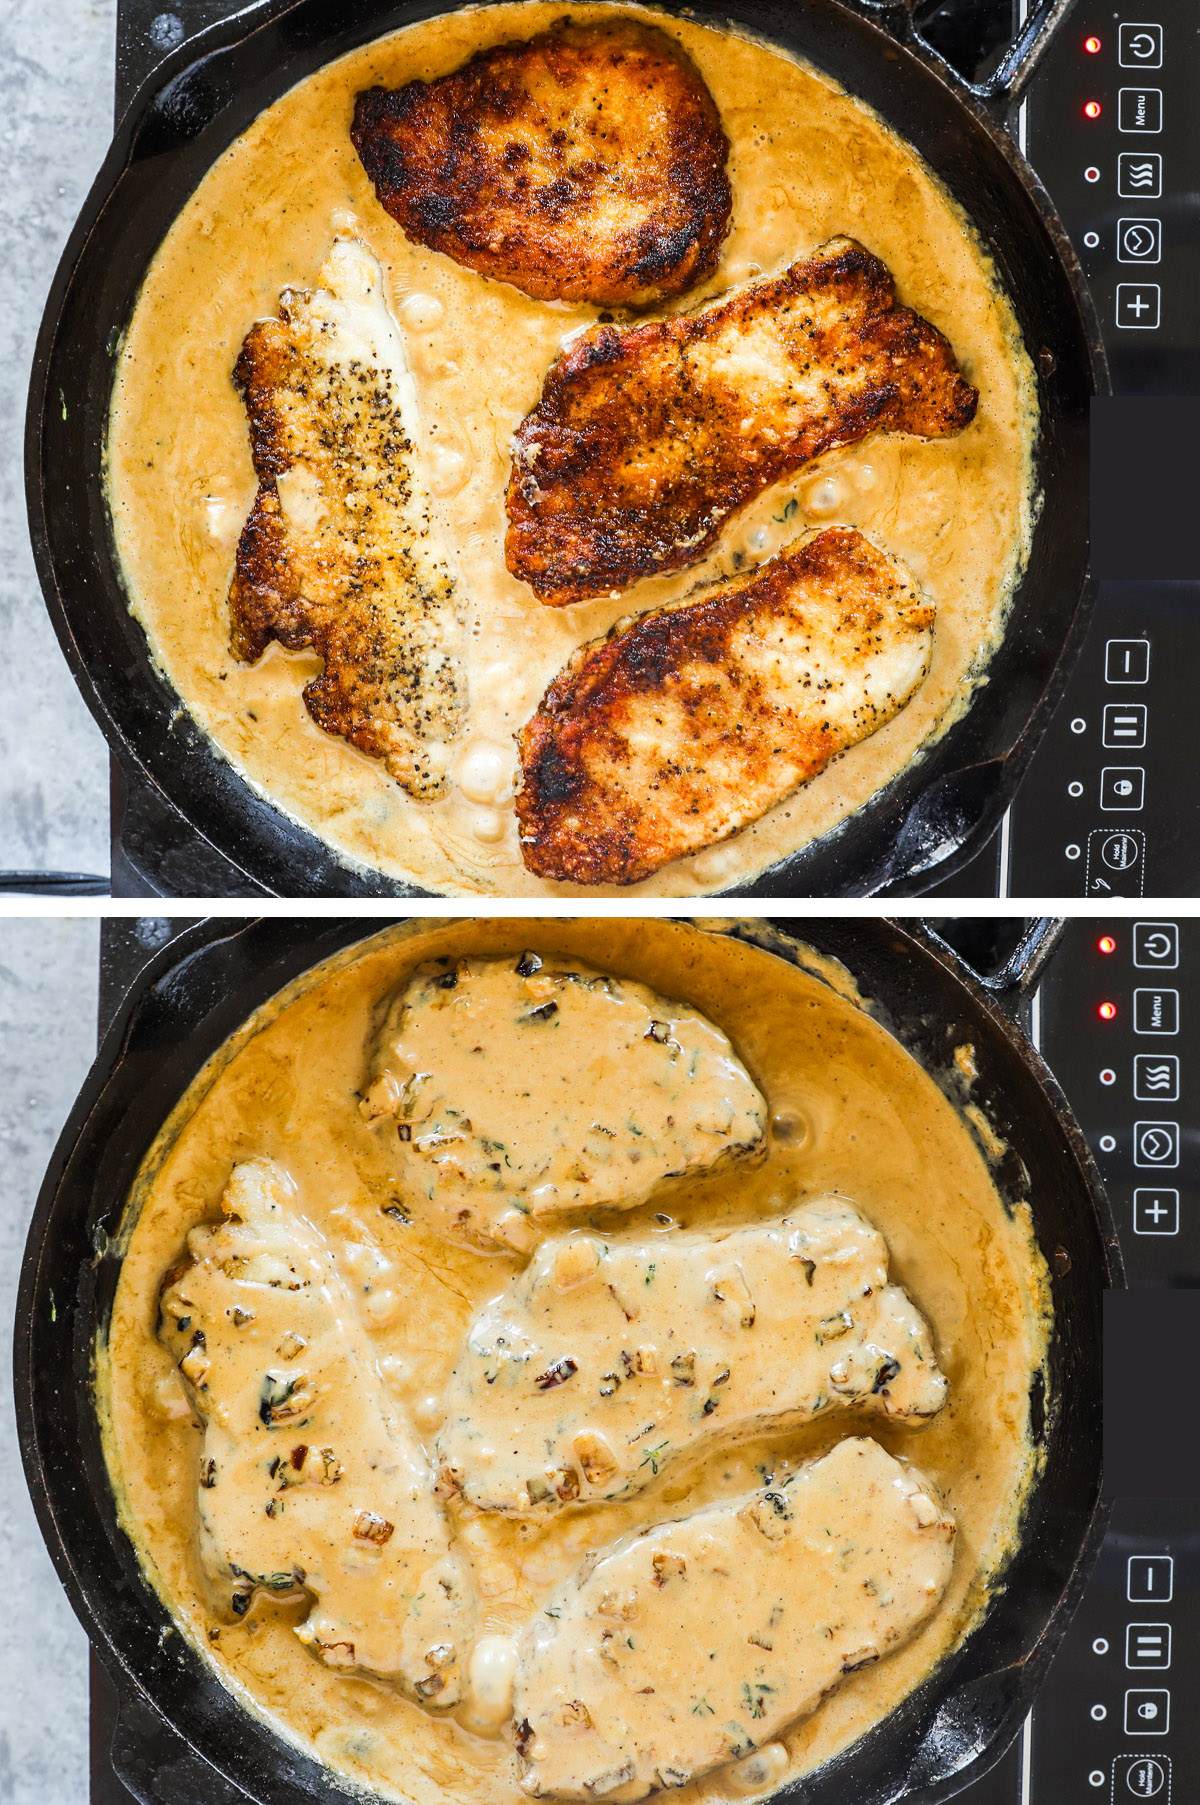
(1139, 241)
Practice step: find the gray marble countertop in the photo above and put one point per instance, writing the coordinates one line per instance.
(56, 103)
(49, 973)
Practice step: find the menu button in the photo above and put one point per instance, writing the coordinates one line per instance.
(1156, 1011)
(1140, 110)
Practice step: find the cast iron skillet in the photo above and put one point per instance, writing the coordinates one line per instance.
(189, 999)
(934, 815)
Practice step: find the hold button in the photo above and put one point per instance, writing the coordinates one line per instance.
(1142, 1777)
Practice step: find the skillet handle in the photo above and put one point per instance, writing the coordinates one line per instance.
(1021, 972)
(1004, 87)
(1019, 63)
(156, 1767)
(1013, 985)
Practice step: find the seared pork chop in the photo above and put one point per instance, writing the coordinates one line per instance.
(585, 164)
(646, 440)
(310, 1481)
(521, 1089)
(677, 730)
(691, 1643)
(609, 1358)
(340, 551)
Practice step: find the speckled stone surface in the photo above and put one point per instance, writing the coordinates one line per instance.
(48, 987)
(56, 101)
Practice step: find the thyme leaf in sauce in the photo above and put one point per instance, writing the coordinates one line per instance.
(754, 1696)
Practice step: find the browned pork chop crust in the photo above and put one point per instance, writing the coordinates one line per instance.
(672, 733)
(646, 440)
(585, 164)
(339, 551)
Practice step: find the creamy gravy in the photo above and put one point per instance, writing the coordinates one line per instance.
(851, 1113)
(807, 162)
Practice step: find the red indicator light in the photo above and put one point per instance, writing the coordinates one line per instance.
(1092, 46)
(1091, 109)
(1106, 1011)
(1107, 944)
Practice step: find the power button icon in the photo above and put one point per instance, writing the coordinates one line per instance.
(1140, 47)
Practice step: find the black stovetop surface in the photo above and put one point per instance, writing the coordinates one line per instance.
(1114, 1712)
(1111, 804)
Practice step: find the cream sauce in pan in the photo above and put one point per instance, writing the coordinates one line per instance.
(807, 162)
(850, 1112)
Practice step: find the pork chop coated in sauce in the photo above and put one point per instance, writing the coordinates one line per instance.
(518, 1091)
(695, 1642)
(310, 1480)
(647, 439)
(583, 164)
(611, 1358)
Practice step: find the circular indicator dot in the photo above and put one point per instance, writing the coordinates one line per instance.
(1099, 1713)
(1092, 109)
(1091, 240)
(1107, 1143)
(1107, 1011)
(1074, 852)
(1095, 1778)
(1108, 1076)
(1100, 1645)
(1075, 789)
(1092, 46)
(1107, 944)
(1091, 173)
(1079, 725)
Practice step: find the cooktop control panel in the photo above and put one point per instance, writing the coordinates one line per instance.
(1115, 1720)
(1119, 1024)
(1117, 1019)
(1111, 805)
(1113, 129)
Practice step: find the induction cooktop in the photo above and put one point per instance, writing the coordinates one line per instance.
(1117, 1017)
(1111, 804)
